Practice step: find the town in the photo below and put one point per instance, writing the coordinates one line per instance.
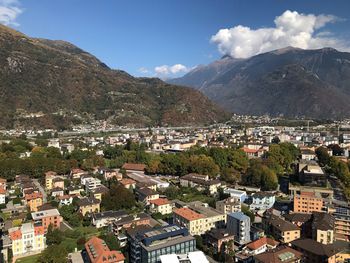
(253, 192)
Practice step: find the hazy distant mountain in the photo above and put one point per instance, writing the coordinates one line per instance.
(290, 82)
(54, 84)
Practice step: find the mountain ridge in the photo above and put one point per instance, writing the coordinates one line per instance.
(53, 83)
(239, 83)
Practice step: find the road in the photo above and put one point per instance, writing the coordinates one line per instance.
(41, 189)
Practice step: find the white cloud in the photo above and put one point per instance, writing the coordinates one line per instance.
(143, 70)
(9, 11)
(166, 71)
(291, 29)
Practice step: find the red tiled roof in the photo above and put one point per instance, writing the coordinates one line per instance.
(127, 181)
(39, 230)
(15, 235)
(248, 150)
(160, 201)
(33, 196)
(2, 191)
(260, 242)
(99, 252)
(188, 214)
(134, 166)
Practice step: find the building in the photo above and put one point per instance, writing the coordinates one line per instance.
(281, 254)
(310, 173)
(238, 224)
(282, 230)
(307, 202)
(65, 199)
(200, 182)
(342, 222)
(229, 205)
(161, 205)
(307, 154)
(27, 239)
(238, 194)
(322, 228)
(146, 195)
(92, 183)
(191, 257)
(128, 183)
(2, 196)
(110, 173)
(262, 201)
(98, 252)
(129, 221)
(77, 173)
(260, 245)
(33, 201)
(89, 205)
(315, 252)
(52, 180)
(322, 192)
(3, 183)
(134, 167)
(106, 218)
(198, 217)
(148, 244)
(47, 217)
(215, 238)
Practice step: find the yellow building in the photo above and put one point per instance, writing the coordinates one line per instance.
(89, 205)
(27, 239)
(199, 218)
(49, 176)
(34, 200)
(161, 205)
(282, 230)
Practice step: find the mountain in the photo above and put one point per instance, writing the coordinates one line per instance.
(291, 82)
(45, 83)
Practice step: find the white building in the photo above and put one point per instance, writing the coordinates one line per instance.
(91, 184)
(2, 196)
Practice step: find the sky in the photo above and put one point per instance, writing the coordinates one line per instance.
(168, 38)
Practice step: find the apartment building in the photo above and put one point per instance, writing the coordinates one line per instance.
(229, 205)
(91, 183)
(27, 239)
(262, 201)
(238, 224)
(89, 205)
(198, 217)
(48, 217)
(282, 230)
(342, 223)
(149, 244)
(281, 254)
(307, 202)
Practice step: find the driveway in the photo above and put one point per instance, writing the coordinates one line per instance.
(41, 189)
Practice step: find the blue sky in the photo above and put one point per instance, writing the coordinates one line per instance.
(150, 37)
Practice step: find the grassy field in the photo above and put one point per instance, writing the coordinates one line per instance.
(31, 259)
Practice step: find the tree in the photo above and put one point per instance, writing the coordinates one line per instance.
(54, 254)
(245, 210)
(53, 236)
(111, 241)
(322, 156)
(118, 198)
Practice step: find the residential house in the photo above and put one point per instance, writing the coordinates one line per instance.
(106, 218)
(307, 154)
(89, 205)
(33, 201)
(126, 222)
(98, 252)
(57, 191)
(128, 183)
(282, 230)
(27, 239)
(215, 238)
(3, 183)
(262, 201)
(110, 173)
(145, 195)
(77, 173)
(310, 173)
(281, 254)
(238, 194)
(65, 199)
(200, 182)
(2, 196)
(161, 205)
(315, 252)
